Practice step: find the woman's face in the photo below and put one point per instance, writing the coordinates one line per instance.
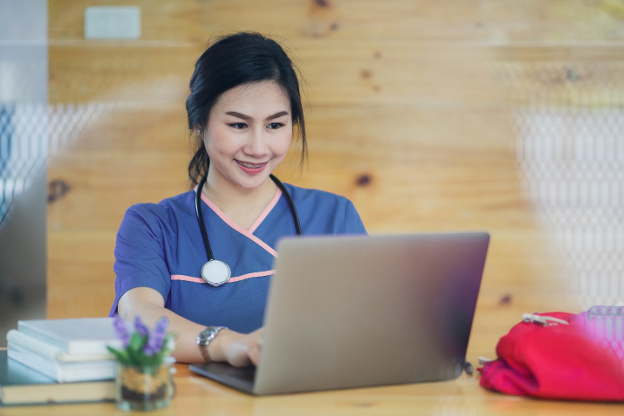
(248, 134)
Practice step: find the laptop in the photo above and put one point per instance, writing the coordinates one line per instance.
(360, 311)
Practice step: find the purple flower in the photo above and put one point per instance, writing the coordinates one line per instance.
(156, 337)
(140, 327)
(122, 330)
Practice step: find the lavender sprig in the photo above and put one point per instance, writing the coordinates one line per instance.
(143, 347)
(140, 328)
(122, 330)
(156, 337)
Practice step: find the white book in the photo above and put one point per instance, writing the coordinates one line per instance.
(17, 339)
(64, 372)
(21, 385)
(80, 336)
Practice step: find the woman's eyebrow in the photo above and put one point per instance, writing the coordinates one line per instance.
(239, 115)
(246, 117)
(277, 115)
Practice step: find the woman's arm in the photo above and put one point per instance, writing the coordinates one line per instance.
(236, 348)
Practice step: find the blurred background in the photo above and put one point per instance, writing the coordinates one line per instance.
(430, 115)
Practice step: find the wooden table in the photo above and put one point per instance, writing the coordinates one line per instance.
(199, 396)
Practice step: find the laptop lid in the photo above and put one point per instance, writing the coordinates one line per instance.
(356, 311)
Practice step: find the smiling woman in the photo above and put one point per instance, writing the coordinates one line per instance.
(234, 63)
(243, 107)
(247, 136)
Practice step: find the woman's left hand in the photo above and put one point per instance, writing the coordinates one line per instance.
(240, 350)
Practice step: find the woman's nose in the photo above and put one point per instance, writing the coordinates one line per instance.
(256, 144)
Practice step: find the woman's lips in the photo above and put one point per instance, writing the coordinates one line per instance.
(251, 167)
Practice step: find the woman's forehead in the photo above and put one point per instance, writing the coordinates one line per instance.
(264, 97)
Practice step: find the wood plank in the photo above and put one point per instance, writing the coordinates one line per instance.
(387, 73)
(105, 73)
(288, 19)
(80, 273)
(494, 21)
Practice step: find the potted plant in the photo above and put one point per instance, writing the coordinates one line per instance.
(144, 380)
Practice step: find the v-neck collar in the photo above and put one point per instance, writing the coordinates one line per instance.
(247, 233)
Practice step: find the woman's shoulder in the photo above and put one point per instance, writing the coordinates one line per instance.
(299, 193)
(182, 204)
(324, 212)
(319, 201)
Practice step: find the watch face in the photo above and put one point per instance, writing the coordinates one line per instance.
(203, 336)
(208, 334)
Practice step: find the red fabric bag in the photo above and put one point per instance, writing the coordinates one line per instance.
(561, 356)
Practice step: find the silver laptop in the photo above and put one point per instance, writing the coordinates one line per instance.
(357, 311)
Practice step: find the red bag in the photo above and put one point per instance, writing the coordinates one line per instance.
(561, 356)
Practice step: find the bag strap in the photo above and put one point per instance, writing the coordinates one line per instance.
(542, 319)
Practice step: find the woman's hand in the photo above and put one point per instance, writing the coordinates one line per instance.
(240, 350)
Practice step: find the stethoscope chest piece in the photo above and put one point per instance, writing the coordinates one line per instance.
(215, 272)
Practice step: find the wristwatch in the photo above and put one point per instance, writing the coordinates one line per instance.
(204, 339)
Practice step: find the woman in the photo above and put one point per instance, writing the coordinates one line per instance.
(243, 106)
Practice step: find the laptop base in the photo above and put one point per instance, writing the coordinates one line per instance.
(238, 378)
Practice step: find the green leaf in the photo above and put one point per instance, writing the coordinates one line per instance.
(121, 356)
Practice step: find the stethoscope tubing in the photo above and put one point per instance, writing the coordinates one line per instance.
(202, 225)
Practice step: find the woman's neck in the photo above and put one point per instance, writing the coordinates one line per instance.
(243, 206)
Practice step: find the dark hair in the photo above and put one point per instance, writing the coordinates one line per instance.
(231, 61)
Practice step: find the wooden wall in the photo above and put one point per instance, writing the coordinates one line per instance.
(498, 115)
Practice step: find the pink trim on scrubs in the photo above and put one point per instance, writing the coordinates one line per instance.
(247, 233)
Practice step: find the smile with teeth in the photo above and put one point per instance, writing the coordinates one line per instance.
(251, 165)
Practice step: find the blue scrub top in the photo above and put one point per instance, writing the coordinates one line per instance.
(160, 246)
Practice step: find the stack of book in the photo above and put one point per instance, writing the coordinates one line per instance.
(62, 360)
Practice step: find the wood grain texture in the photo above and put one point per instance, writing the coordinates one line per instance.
(419, 112)
(199, 396)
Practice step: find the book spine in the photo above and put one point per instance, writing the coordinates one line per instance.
(23, 357)
(64, 372)
(69, 346)
(91, 347)
(23, 327)
(48, 351)
(21, 340)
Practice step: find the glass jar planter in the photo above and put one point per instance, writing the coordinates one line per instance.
(144, 388)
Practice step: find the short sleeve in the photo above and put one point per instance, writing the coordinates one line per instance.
(140, 252)
(352, 222)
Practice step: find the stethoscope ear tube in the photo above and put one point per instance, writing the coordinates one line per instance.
(291, 204)
(216, 272)
(200, 217)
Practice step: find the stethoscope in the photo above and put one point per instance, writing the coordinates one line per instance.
(217, 272)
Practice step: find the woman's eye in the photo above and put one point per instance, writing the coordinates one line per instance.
(275, 125)
(238, 125)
